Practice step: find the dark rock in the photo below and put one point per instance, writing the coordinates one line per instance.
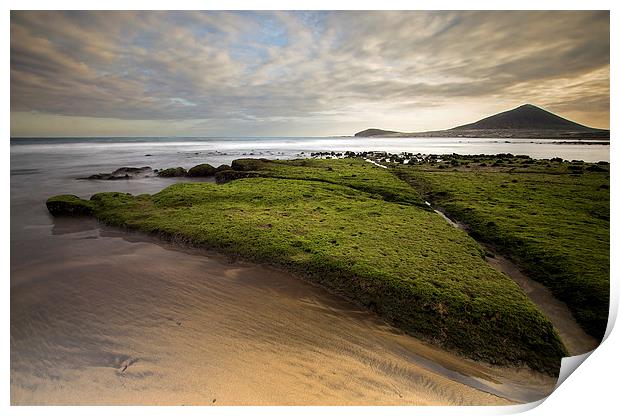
(98, 176)
(123, 173)
(131, 171)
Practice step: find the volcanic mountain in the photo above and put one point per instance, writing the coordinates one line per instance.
(526, 121)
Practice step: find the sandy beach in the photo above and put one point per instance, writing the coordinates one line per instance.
(129, 320)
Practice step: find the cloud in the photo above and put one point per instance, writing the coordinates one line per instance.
(258, 68)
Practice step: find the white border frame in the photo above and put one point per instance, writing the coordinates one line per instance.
(590, 390)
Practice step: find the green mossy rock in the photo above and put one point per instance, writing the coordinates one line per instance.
(201, 171)
(553, 223)
(172, 172)
(68, 205)
(225, 176)
(249, 164)
(223, 167)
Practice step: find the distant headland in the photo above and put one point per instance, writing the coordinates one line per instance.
(526, 121)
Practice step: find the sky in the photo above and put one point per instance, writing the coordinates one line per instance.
(295, 73)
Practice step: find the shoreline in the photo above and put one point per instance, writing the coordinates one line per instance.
(130, 213)
(576, 339)
(280, 341)
(518, 384)
(337, 279)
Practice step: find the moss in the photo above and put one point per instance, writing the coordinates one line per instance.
(596, 168)
(225, 176)
(172, 172)
(336, 227)
(249, 164)
(223, 167)
(553, 223)
(355, 173)
(70, 205)
(202, 170)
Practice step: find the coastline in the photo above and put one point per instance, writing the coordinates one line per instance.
(246, 236)
(398, 369)
(515, 372)
(288, 337)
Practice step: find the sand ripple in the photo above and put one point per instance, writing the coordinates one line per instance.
(107, 317)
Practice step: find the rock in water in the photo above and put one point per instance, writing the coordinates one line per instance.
(128, 173)
(124, 173)
(172, 172)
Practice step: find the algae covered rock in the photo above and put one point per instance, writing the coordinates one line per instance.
(249, 164)
(230, 175)
(69, 205)
(172, 172)
(202, 170)
(223, 167)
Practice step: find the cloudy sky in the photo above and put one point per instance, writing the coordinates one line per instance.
(299, 73)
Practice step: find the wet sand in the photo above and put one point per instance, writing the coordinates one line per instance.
(119, 318)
